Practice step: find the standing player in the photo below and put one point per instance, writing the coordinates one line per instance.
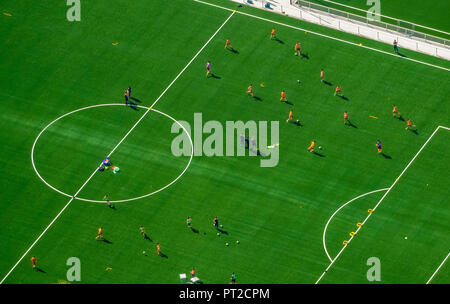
(337, 91)
(250, 90)
(311, 146)
(233, 278)
(208, 68)
(346, 121)
(297, 49)
(378, 144)
(321, 75)
(395, 47)
(33, 261)
(228, 43)
(283, 96)
(127, 95)
(291, 114)
(99, 233)
(216, 222)
(193, 273)
(108, 203)
(409, 124)
(273, 35)
(158, 249)
(142, 231)
(395, 112)
(189, 222)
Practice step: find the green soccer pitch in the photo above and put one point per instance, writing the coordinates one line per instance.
(290, 220)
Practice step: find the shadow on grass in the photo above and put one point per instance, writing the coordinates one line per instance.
(135, 99)
(163, 255)
(233, 51)
(222, 231)
(215, 76)
(194, 230)
(306, 56)
(350, 124)
(318, 154)
(40, 270)
(146, 237)
(327, 83)
(257, 98)
(414, 131)
(386, 156)
(106, 241)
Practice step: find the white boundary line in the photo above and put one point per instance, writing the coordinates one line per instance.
(326, 36)
(118, 144)
(438, 268)
(379, 202)
(335, 212)
(119, 201)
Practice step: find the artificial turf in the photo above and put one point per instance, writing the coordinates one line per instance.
(51, 66)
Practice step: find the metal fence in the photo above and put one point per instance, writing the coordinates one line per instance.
(394, 25)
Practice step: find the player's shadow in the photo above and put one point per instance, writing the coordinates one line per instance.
(327, 83)
(257, 98)
(134, 106)
(194, 230)
(386, 156)
(298, 123)
(288, 102)
(306, 56)
(163, 255)
(344, 98)
(279, 41)
(215, 76)
(106, 241)
(400, 118)
(146, 237)
(40, 270)
(222, 231)
(135, 99)
(414, 131)
(234, 51)
(401, 55)
(350, 124)
(318, 154)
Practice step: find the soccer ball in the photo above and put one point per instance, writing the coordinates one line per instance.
(221, 226)
(237, 242)
(320, 147)
(298, 80)
(218, 234)
(143, 252)
(227, 244)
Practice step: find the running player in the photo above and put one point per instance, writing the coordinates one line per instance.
(346, 118)
(99, 233)
(297, 49)
(108, 203)
(33, 261)
(216, 222)
(395, 112)
(337, 91)
(158, 249)
(228, 44)
(272, 34)
(321, 75)
(378, 144)
(409, 124)
(311, 146)
(283, 96)
(291, 114)
(208, 68)
(189, 222)
(250, 90)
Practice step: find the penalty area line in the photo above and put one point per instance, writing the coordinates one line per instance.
(114, 149)
(379, 202)
(431, 278)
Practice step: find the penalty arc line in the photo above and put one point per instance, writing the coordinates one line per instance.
(431, 278)
(114, 149)
(379, 202)
(325, 36)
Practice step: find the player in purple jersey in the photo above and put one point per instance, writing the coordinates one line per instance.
(208, 68)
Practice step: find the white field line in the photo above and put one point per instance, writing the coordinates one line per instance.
(379, 202)
(114, 149)
(438, 268)
(326, 36)
(335, 212)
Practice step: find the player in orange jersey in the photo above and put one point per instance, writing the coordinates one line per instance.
(395, 112)
(311, 146)
(409, 124)
(337, 91)
(322, 75)
(291, 114)
(250, 90)
(346, 121)
(193, 273)
(298, 49)
(99, 233)
(272, 34)
(227, 43)
(158, 249)
(33, 261)
(283, 96)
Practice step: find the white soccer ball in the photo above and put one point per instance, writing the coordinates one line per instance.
(227, 244)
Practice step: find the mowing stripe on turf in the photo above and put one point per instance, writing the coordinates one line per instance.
(120, 142)
(326, 36)
(379, 202)
(438, 268)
